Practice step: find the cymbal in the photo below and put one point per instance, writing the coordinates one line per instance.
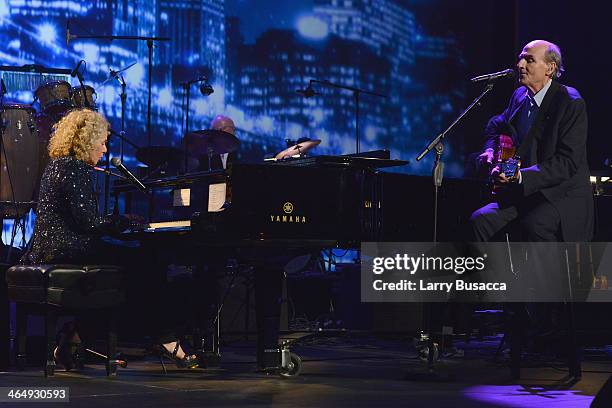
(153, 156)
(203, 142)
(298, 149)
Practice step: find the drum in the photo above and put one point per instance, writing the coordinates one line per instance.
(19, 160)
(54, 97)
(76, 96)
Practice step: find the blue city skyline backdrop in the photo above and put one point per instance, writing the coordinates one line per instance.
(257, 54)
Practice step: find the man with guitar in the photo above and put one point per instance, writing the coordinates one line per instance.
(550, 195)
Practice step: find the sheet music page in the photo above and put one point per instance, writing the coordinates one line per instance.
(182, 197)
(216, 197)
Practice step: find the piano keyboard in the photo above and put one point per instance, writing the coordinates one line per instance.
(181, 225)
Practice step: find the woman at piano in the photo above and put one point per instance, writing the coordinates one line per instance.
(69, 228)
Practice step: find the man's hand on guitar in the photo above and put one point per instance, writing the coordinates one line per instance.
(498, 177)
(486, 158)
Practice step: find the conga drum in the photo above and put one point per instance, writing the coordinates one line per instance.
(19, 160)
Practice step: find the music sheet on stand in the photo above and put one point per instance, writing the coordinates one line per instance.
(216, 197)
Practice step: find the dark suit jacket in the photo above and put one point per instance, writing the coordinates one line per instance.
(561, 172)
(216, 163)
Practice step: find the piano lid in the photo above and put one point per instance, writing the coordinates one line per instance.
(352, 161)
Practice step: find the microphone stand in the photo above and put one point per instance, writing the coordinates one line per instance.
(107, 171)
(436, 143)
(356, 95)
(438, 174)
(123, 97)
(122, 138)
(149, 41)
(2, 127)
(187, 87)
(79, 76)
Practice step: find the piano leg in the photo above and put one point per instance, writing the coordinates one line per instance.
(268, 299)
(207, 330)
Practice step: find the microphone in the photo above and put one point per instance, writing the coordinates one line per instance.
(206, 89)
(308, 92)
(506, 73)
(117, 163)
(108, 172)
(67, 33)
(76, 69)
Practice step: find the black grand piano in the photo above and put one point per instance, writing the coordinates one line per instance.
(268, 213)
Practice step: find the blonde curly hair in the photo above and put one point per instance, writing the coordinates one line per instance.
(77, 133)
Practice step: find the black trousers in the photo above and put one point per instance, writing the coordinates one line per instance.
(536, 218)
(532, 220)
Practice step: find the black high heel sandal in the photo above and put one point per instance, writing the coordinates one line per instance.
(67, 352)
(185, 362)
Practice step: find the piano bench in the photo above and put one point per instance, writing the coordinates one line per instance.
(53, 290)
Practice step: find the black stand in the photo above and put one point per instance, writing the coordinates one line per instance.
(149, 41)
(79, 76)
(122, 138)
(123, 102)
(187, 87)
(438, 175)
(436, 143)
(121, 135)
(356, 94)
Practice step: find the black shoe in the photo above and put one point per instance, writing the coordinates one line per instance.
(185, 362)
(66, 350)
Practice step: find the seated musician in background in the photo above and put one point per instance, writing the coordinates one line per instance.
(69, 228)
(551, 196)
(220, 161)
(209, 273)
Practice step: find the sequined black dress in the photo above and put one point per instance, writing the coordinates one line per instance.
(68, 225)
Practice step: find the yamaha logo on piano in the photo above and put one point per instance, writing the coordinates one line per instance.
(288, 216)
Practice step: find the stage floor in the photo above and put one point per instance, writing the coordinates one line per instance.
(337, 372)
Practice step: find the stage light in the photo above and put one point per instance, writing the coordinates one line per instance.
(4, 10)
(164, 98)
(312, 27)
(47, 33)
(136, 75)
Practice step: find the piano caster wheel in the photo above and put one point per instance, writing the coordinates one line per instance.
(50, 369)
(20, 362)
(423, 352)
(209, 359)
(293, 367)
(111, 368)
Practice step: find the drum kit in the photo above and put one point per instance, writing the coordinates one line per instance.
(25, 136)
(208, 142)
(26, 133)
(199, 143)
(58, 97)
